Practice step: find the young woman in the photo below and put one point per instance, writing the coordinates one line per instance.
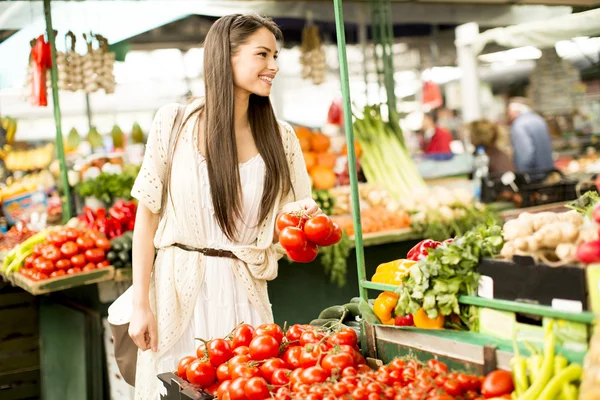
(234, 169)
(486, 134)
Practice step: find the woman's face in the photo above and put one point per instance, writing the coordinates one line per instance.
(255, 63)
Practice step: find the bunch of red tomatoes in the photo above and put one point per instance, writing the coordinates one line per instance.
(314, 364)
(301, 236)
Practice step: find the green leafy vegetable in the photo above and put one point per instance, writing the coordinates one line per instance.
(108, 187)
(585, 203)
(436, 282)
(334, 260)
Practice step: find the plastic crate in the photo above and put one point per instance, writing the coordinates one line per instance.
(532, 191)
(178, 389)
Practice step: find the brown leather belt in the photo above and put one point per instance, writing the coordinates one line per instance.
(207, 252)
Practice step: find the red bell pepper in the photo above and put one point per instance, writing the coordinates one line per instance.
(88, 213)
(421, 249)
(101, 221)
(118, 214)
(42, 60)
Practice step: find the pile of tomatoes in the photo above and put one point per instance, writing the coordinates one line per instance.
(301, 235)
(314, 364)
(67, 251)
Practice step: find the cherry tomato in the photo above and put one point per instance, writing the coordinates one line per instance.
(294, 332)
(306, 255)
(236, 389)
(309, 356)
(37, 249)
(74, 270)
(51, 252)
(43, 265)
(347, 337)
(103, 244)
(201, 373)
(63, 264)
(271, 330)
(57, 273)
(241, 350)
(256, 389)
(286, 219)
(69, 249)
(318, 228)
(244, 371)
(223, 373)
(311, 336)
(244, 359)
(314, 375)
(201, 350)
(263, 347)
(335, 237)
(72, 234)
(39, 276)
(28, 263)
(452, 387)
(337, 362)
(281, 377)
(497, 384)
(78, 260)
(223, 389)
(291, 356)
(89, 267)
(270, 366)
(437, 366)
(219, 352)
(293, 239)
(85, 243)
(94, 255)
(56, 238)
(242, 336)
(183, 364)
(397, 364)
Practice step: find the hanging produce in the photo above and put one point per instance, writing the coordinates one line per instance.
(27, 160)
(73, 140)
(10, 127)
(98, 65)
(94, 138)
(118, 137)
(137, 135)
(73, 71)
(312, 58)
(40, 61)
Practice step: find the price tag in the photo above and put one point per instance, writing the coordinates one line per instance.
(486, 287)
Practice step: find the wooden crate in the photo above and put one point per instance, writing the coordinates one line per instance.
(63, 282)
(19, 344)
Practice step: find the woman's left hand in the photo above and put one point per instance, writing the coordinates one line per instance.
(308, 205)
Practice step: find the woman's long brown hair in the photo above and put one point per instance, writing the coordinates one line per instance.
(221, 43)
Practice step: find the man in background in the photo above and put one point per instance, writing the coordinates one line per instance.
(532, 145)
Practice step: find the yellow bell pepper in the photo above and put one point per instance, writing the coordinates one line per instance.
(423, 321)
(384, 307)
(392, 272)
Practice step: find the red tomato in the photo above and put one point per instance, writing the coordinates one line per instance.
(294, 332)
(213, 389)
(440, 397)
(286, 219)
(256, 389)
(201, 373)
(291, 356)
(85, 243)
(182, 366)
(63, 264)
(71, 233)
(337, 362)
(89, 267)
(51, 252)
(269, 366)
(335, 237)
(57, 273)
(43, 265)
(304, 256)
(497, 384)
(39, 276)
(28, 263)
(293, 239)
(241, 350)
(437, 366)
(103, 264)
(281, 377)
(310, 336)
(73, 270)
(236, 389)
(219, 352)
(78, 260)
(95, 235)
(223, 389)
(271, 330)
(318, 229)
(37, 249)
(452, 387)
(347, 336)
(201, 350)
(237, 360)
(223, 373)
(57, 238)
(309, 356)
(263, 347)
(244, 371)
(314, 375)
(397, 364)
(295, 376)
(242, 335)
(69, 249)
(103, 244)
(94, 255)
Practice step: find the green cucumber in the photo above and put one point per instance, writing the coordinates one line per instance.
(336, 312)
(322, 321)
(353, 310)
(355, 300)
(112, 256)
(125, 256)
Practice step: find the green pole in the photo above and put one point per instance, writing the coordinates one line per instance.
(67, 212)
(388, 73)
(341, 41)
(375, 40)
(390, 41)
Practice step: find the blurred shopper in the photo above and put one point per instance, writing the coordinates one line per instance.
(435, 138)
(485, 134)
(532, 146)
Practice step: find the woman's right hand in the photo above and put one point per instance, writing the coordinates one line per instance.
(142, 329)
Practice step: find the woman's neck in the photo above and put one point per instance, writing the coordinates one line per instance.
(240, 114)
